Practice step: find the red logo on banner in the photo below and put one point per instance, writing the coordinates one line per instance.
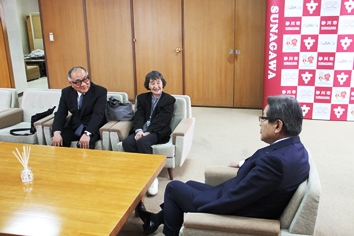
(290, 61)
(292, 25)
(309, 43)
(323, 95)
(307, 77)
(312, 8)
(345, 43)
(326, 60)
(339, 111)
(289, 90)
(342, 78)
(347, 7)
(329, 24)
(307, 109)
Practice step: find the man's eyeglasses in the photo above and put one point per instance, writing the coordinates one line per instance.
(79, 82)
(262, 118)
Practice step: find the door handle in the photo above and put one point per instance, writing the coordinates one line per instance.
(178, 49)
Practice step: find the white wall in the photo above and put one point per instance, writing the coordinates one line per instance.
(14, 14)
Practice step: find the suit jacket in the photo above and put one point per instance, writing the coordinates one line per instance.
(92, 113)
(264, 184)
(161, 116)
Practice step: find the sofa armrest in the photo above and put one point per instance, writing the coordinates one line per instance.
(47, 131)
(10, 117)
(43, 120)
(106, 127)
(122, 128)
(199, 222)
(119, 132)
(219, 174)
(182, 129)
(40, 129)
(104, 134)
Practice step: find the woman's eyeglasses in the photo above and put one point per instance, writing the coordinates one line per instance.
(79, 82)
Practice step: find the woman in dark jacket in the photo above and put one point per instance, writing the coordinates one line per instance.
(152, 119)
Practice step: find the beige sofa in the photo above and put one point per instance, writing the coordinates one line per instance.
(33, 101)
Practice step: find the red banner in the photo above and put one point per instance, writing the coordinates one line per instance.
(309, 54)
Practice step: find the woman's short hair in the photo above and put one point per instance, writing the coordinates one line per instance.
(154, 75)
(74, 69)
(288, 110)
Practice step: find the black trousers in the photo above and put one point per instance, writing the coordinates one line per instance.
(178, 199)
(143, 145)
(68, 135)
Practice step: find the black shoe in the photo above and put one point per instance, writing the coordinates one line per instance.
(150, 227)
(142, 213)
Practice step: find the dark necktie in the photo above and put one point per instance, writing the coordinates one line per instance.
(79, 105)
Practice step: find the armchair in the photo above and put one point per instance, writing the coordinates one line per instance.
(298, 218)
(9, 98)
(178, 147)
(104, 143)
(33, 101)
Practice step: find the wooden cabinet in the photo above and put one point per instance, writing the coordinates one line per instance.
(210, 50)
(224, 52)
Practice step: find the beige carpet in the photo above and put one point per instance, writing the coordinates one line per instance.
(223, 135)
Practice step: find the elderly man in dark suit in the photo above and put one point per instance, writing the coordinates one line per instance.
(86, 102)
(264, 184)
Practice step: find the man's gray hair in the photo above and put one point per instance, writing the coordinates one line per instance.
(288, 110)
(74, 69)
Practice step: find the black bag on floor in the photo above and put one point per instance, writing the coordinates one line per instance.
(34, 118)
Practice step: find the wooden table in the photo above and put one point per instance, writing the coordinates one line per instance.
(74, 192)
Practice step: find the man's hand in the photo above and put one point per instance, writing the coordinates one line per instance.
(84, 141)
(57, 139)
(234, 164)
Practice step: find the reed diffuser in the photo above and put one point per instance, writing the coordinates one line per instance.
(26, 173)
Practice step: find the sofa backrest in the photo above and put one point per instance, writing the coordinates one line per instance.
(122, 96)
(179, 113)
(39, 100)
(300, 216)
(188, 104)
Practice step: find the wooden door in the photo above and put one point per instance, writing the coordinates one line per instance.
(6, 76)
(64, 20)
(158, 35)
(109, 27)
(249, 34)
(209, 44)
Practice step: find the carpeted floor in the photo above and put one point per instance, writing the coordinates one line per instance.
(223, 135)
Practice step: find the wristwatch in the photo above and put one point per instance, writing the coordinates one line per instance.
(87, 133)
